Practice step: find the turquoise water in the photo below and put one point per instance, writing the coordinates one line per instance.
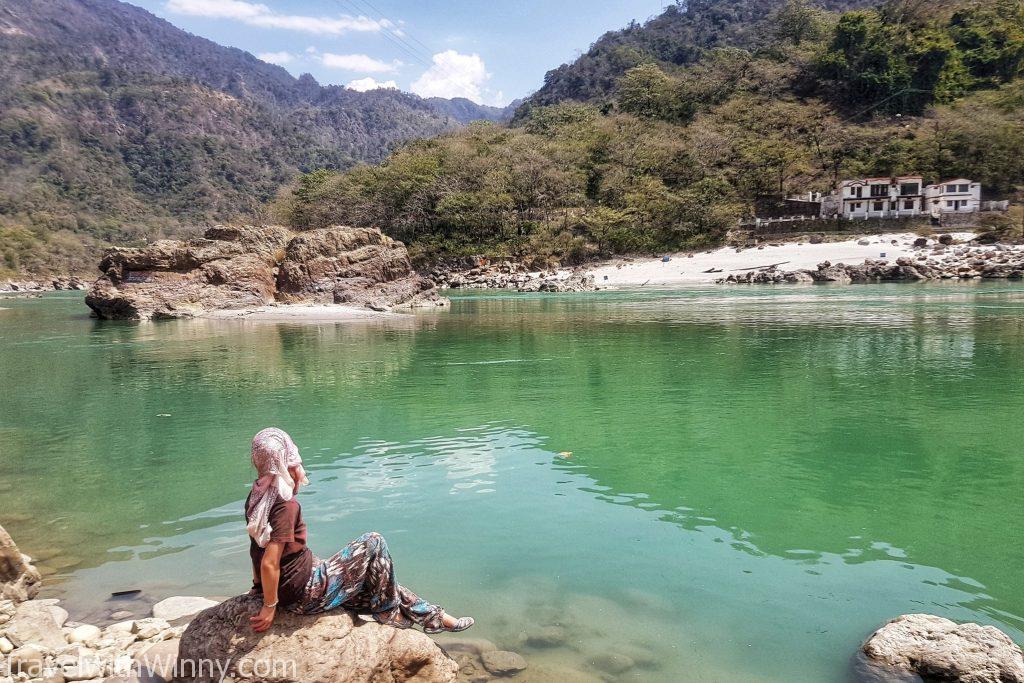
(722, 484)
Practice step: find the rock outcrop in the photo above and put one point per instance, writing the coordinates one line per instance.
(247, 267)
(19, 580)
(352, 266)
(939, 649)
(329, 648)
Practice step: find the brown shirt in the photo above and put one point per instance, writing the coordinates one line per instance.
(286, 526)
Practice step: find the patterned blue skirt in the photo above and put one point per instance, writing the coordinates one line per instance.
(361, 578)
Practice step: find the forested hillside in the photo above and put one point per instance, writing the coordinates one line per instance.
(663, 135)
(682, 35)
(117, 126)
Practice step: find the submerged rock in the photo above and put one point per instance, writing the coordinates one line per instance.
(331, 648)
(19, 580)
(937, 648)
(247, 267)
(503, 662)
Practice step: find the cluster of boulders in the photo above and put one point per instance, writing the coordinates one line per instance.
(940, 261)
(43, 285)
(480, 273)
(244, 267)
(38, 643)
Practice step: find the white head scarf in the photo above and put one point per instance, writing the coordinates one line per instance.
(273, 452)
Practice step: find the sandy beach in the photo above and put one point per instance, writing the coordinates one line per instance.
(692, 267)
(299, 313)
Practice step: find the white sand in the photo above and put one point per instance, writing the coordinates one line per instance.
(300, 313)
(792, 255)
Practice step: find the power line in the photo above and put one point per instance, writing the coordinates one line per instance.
(399, 41)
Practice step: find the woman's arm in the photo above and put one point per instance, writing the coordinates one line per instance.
(270, 574)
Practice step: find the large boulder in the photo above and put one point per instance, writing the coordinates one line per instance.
(248, 267)
(352, 266)
(939, 649)
(19, 580)
(334, 647)
(228, 268)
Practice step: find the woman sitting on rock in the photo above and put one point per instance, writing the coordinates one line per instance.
(361, 577)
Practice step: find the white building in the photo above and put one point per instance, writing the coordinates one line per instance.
(959, 195)
(879, 198)
(900, 197)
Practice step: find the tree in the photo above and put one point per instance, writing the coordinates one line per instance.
(648, 92)
(797, 21)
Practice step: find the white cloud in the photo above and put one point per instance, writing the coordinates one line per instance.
(257, 14)
(370, 83)
(363, 63)
(311, 50)
(276, 57)
(453, 74)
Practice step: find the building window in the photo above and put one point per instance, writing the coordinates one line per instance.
(949, 203)
(879, 206)
(908, 205)
(909, 188)
(856, 191)
(892, 206)
(879, 190)
(965, 188)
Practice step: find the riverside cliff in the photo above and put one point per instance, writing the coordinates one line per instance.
(248, 267)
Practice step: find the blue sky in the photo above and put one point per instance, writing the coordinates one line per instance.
(491, 51)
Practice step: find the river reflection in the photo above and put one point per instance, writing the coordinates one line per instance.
(750, 480)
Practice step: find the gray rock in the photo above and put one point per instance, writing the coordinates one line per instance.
(149, 628)
(85, 670)
(935, 647)
(29, 659)
(181, 606)
(343, 652)
(34, 623)
(19, 580)
(158, 661)
(613, 662)
(84, 633)
(546, 636)
(503, 662)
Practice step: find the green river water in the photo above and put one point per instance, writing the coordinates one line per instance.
(758, 477)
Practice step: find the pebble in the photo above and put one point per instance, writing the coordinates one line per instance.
(6, 646)
(84, 633)
(121, 615)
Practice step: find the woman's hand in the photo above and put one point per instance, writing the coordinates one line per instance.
(262, 621)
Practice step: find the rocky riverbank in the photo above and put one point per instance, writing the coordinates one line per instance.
(249, 267)
(480, 273)
(40, 285)
(930, 260)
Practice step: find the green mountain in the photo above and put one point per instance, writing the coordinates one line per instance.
(663, 135)
(682, 35)
(116, 126)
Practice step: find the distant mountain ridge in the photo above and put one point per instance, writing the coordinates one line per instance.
(117, 125)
